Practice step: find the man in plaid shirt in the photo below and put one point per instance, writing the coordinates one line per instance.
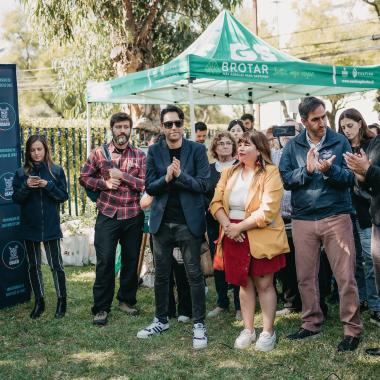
(119, 219)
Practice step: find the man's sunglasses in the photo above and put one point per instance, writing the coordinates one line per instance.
(169, 124)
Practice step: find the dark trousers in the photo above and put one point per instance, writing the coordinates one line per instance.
(54, 258)
(169, 236)
(108, 232)
(179, 280)
(288, 278)
(221, 286)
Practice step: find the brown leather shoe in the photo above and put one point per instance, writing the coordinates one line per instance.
(128, 309)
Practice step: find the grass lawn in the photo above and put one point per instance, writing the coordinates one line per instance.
(73, 348)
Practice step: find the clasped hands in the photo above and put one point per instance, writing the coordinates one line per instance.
(313, 162)
(234, 232)
(173, 170)
(358, 163)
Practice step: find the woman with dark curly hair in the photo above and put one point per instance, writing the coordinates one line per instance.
(223, 148)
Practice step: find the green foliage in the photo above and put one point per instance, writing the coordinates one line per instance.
(72, 348)
(105, 39)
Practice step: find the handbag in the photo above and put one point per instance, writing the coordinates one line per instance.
(94, 195)
(206, 261)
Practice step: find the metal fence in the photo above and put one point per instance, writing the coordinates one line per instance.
(68, 147)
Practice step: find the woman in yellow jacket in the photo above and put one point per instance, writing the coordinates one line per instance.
(252, 237)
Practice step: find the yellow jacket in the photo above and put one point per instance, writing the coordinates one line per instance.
(262, 206)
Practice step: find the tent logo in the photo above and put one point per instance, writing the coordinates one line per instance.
(6, 188)
(7, 117)
(242, 52)
(344, 72)
(13, 255)
(212, 68)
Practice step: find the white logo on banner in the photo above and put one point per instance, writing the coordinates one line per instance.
(13, 255)
(7, 117)
(6, 188)
(242, 52)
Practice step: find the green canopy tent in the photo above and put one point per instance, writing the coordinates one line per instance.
(228, 64)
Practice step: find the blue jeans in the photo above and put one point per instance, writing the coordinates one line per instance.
(373, 299)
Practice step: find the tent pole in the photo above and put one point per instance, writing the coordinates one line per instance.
(88, 130)
(192, 112)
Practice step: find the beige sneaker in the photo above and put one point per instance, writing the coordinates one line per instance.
(128, 309)
(245, 339)
(214, 313)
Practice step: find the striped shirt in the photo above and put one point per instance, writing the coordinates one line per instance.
(125, 201)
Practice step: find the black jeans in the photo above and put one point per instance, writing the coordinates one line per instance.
(108, 232)
(179, 280)
(288, 278)
(168, 236)
(221, 286)
(54, 258)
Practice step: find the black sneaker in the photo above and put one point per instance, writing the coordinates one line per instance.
(375, 318)
(363, 306)
(303, 334)
(349, 343)
(100, 318)
(373, 351)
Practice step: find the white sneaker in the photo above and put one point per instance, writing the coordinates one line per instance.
(199, 336)
(214, 313)
(155, 328)
(183, 319)
(245, 339)
(266, 342)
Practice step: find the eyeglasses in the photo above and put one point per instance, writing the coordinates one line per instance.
(222, 143)
(169, 124)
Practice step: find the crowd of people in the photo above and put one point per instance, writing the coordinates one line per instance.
(299, 205)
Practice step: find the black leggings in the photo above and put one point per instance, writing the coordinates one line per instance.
(54, 258)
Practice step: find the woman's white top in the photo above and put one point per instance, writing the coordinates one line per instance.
(239, 195)
(220, 166)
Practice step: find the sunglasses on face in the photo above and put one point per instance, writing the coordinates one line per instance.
(169, 124)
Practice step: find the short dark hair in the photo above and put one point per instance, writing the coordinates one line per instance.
(171, 108)
(248, 116)
(200, 126)
(309, 104)
(120, 116)
(376, 127)
(236, 122)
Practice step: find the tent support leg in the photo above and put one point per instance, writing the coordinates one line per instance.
(88, 130)
(192, 111)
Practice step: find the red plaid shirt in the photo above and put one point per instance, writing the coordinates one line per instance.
(125, 201)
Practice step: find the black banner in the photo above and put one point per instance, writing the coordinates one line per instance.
(14, 283)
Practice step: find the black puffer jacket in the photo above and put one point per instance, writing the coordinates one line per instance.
(40, 219)
(372, 179)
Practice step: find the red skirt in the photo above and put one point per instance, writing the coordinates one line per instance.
(239, 264)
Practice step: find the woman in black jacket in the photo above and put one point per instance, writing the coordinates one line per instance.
(367, 172)
(39, 187)
(354, 127)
